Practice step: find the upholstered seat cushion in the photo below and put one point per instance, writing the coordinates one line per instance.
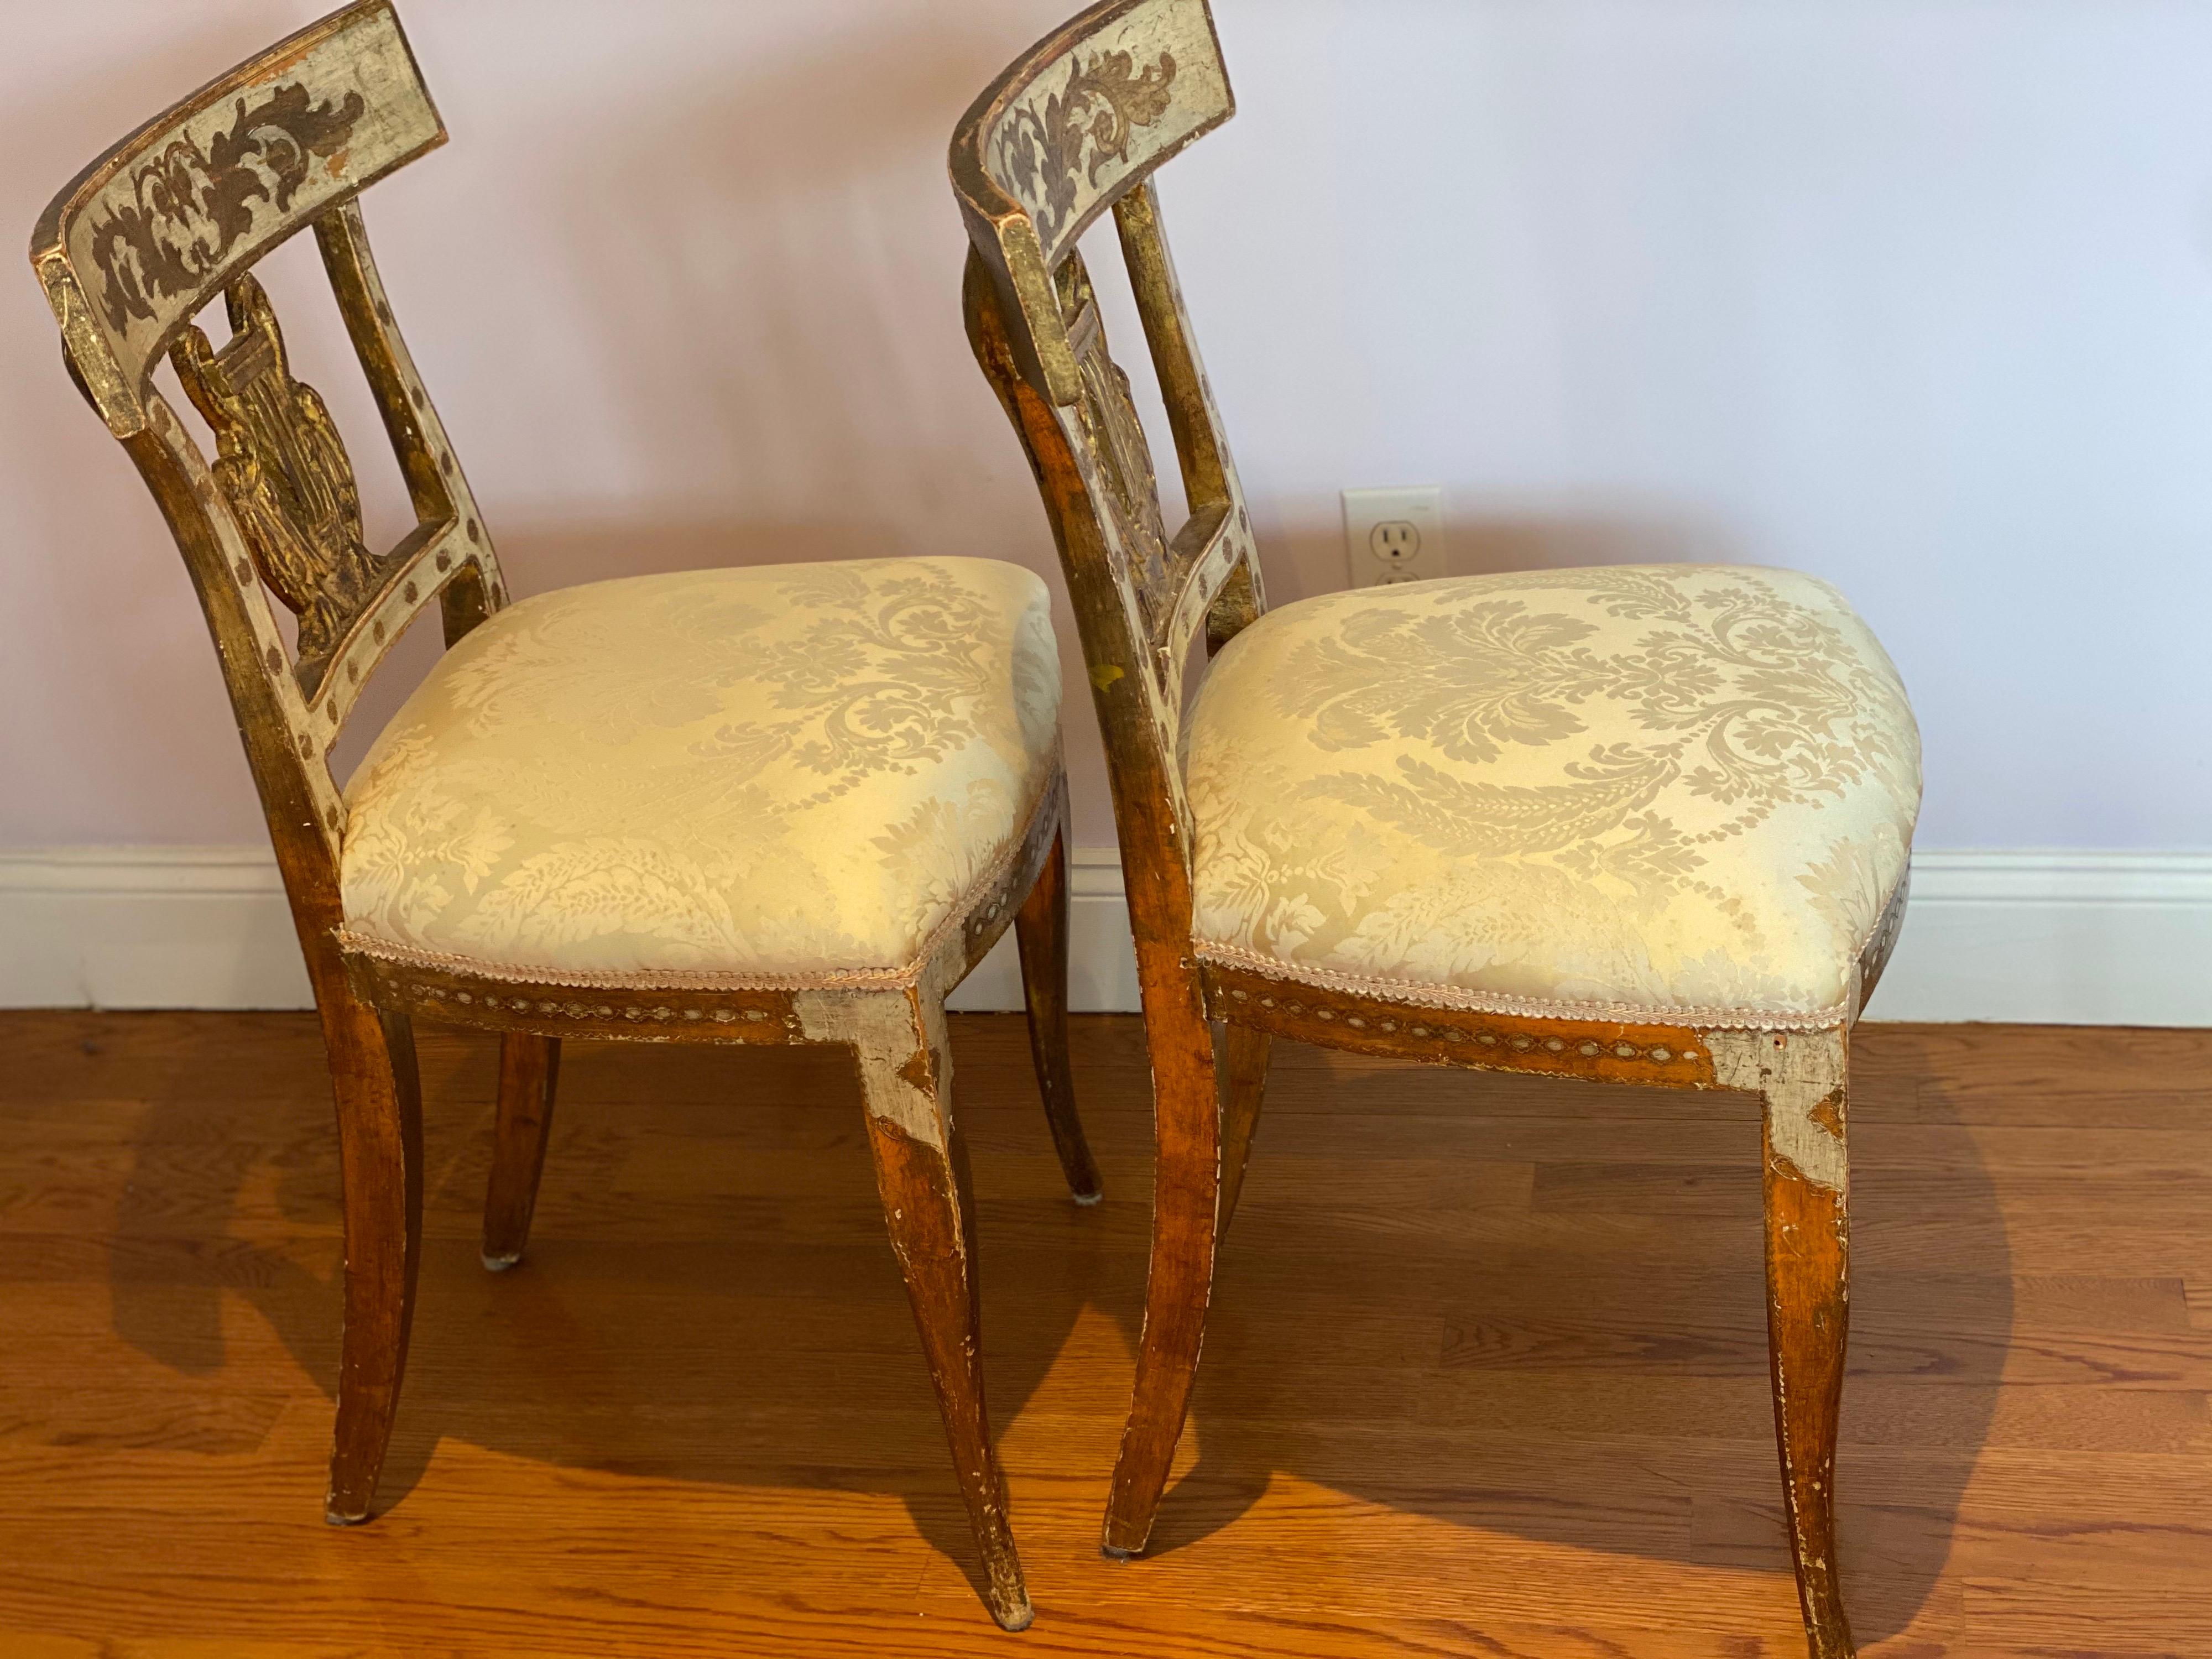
(789, 774)
(1670, 792)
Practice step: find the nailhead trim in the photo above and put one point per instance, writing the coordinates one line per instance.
(1520, 1043)
(1446, 998)
(422, 993)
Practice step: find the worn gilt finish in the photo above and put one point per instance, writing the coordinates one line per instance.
(284, 474)
(1077, 125)
(129, 253)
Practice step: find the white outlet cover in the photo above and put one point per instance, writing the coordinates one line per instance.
(1394, 535)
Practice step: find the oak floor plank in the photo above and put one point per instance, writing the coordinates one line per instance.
(1485, 1374)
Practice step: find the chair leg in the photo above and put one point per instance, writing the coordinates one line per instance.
(379, 1107)
(529, 1071)
(1244, 1063)
(1041, 926)
(921, 1174)
(1186, 1190)
(1805, 1084)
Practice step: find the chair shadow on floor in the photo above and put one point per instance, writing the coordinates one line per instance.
(709, 1294)
(1584, 1362)
(1500, 1339)
(1494, 1304)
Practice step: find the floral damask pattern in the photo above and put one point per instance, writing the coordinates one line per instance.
(780, 771)
(188, 206)
(1663, 789)
(1047, 148)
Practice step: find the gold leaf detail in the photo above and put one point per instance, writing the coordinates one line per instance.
(283, 473)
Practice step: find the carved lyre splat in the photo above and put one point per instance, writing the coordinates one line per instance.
(1114, 442)
(284, 472)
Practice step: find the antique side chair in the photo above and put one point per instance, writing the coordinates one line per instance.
(1641, 824)
(770, 805)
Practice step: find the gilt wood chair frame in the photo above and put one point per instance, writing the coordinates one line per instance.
(128, 252)
(1075, 128)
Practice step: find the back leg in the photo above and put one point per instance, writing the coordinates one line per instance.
(1041, 926)
(1243, 1066)
(921, 1173)
(529, 1069)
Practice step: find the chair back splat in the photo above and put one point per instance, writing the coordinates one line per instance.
(861, 795)
(129, 252)
(1692, 887)
(1077, 126)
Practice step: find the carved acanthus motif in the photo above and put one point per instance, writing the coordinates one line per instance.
(189, 207)
(1114, 438)
(284, 472)
(1040, 151)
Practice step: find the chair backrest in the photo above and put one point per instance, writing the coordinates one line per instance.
(130, 251)
(1077, 125)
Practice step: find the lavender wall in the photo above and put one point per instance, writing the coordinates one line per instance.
(1916, 294)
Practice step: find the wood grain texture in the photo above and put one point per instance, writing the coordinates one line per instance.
(930, 1209)
(1041, 926)
(529, 1080)
(1808, 1309)
(144, 238)
(1141, 598)
(1440, 1415)
(1241, 1056)
(379, 1104)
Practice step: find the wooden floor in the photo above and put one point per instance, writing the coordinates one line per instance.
(1486, 1373)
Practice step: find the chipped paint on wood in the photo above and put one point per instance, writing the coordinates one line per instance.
(1095, 113)
(1801, 1075)
(904, 1062)
(128, 253)
(931, 1235)
(140, 241)
(1035, 331)
(1808, 1323)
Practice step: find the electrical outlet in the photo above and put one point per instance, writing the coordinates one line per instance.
(1393, 535)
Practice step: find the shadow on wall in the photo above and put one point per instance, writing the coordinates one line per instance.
(771, 266)
(91, 588)
(1520, 1307)
(777, 265)
(540, 557)
(1307, 556)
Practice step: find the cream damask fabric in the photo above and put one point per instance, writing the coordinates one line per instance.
(713, 778)
(1674, 792)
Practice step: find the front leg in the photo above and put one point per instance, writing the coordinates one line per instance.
(1186, 1214)
(379, 1105)
(921, 1174)
(1802, 1077)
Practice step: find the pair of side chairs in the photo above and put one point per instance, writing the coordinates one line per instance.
(1640, 824)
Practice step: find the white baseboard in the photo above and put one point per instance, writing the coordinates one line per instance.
(209, 928)
(1102, 958)
(2054, 939)
(147, 927)
(2082, 939)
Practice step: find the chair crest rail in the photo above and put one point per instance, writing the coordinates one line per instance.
(1080, 119)
(134, 247)
(147, 235)
(1074, 127)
